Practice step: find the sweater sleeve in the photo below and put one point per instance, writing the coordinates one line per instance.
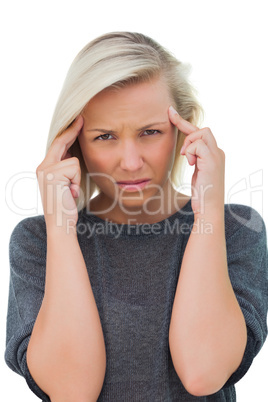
(247, 259)
(27, 252)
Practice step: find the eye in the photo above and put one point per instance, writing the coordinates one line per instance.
(103, 137)
(151, 132)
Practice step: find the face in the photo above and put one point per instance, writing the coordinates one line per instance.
(127, 137)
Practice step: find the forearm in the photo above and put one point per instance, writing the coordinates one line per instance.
(66, 350)
(207, 330)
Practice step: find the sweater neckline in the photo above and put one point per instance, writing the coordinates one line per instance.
(112, 228)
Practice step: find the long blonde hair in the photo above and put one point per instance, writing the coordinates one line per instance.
(115, 60)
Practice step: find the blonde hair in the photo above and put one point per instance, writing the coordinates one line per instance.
(115, 60)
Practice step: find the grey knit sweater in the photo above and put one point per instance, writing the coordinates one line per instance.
(133, 270)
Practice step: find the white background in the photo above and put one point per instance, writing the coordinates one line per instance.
(226, 44)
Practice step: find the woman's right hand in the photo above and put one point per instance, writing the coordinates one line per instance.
(59, 177)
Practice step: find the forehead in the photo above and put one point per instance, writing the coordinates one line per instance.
(140, 101)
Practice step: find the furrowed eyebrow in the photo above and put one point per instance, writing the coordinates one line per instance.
(101, 130)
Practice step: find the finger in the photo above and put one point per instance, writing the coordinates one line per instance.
(197, 149)
(204, 134)
(183, 125)
(75, 190)
(75, 178)
(61, 144)
(67, 175)
(64, 163)
(67, 156)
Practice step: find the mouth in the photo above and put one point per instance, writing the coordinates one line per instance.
(133, 185)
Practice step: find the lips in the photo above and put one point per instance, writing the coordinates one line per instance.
(134, 185)
(131, 182)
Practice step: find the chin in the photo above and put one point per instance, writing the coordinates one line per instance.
(132, 202)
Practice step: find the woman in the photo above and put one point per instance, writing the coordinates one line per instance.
(137, 292)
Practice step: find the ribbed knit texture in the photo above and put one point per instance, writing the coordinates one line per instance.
(134, 270)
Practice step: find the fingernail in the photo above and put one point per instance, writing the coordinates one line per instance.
(172, 110)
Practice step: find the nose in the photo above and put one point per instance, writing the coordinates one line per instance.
(130, 156)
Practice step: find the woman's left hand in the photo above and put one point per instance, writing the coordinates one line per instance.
(201, 150)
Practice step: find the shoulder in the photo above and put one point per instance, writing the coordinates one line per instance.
(28, 239)
(243, 219)
(34, 226)
(245, 233)
(27, 252)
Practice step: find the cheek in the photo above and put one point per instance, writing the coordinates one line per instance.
(164, 152)
(95, 161)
